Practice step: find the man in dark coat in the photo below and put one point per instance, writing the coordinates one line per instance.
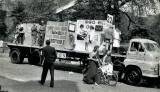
(49, 54)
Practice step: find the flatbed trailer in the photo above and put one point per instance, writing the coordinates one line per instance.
(33, 53)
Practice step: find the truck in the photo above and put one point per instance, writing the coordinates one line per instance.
(140, 59)
(69, 39)
(33, 51)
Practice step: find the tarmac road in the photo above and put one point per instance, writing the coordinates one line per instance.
(24, 78)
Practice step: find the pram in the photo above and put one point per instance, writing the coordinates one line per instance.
(106, 73)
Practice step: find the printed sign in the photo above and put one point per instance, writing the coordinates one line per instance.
(72, 27)
(61, 55)
(109, 18)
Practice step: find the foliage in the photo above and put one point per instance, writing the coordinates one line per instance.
(127, 14)
(2, 24)
(33, 10)
(129, 22)
(19, 12)
(38, 10)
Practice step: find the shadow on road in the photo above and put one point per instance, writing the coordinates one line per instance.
(63, 66)
(69, 67)
(33, 86)
(151, 83)
(147, 83)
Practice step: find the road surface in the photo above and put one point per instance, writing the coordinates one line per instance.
(24, 78)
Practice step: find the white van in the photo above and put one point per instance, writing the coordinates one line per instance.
(143, 59)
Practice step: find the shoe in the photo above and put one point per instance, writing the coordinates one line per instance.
(40, 82)
(51, 86)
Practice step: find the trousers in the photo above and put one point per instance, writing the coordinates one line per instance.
(46, 67)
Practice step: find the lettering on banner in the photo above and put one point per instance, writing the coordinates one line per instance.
(90, 22)
(57, 41)
(58, 32)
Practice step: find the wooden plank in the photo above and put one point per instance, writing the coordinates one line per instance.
(118, 55)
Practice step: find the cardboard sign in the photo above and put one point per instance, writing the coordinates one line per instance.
(109, 18)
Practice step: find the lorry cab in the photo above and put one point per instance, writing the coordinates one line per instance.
(143, 59)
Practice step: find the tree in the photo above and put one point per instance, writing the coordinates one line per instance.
(40, 9)
(2, 24)
(19, 11)
(128, 13)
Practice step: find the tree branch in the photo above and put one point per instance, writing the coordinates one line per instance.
(124, 2)
(130, 20)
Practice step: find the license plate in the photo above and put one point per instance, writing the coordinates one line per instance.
(61, 55)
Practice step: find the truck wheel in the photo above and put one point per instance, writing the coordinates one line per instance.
(133, 76)
(34, 58)
(16, 57)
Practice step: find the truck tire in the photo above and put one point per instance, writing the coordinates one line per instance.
(34, 58)
(16, 57)
(133, 76)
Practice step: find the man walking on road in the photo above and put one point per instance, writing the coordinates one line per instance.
(49, 55)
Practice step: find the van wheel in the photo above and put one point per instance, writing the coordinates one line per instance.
(133, 76)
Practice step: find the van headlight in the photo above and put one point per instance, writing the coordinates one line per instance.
(155, 69)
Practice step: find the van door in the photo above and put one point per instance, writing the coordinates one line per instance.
(141, 52)
(136, 51)
(137, 56)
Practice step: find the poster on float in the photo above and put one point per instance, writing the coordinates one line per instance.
(56, 33)
(61, 34)
(89, 33)
(70, 36)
